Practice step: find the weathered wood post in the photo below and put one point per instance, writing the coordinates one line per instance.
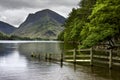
(46, 57)
(91, 56)
(39, 56)
(50, 57)
(110, 59)
(62, 58)
(74, 55)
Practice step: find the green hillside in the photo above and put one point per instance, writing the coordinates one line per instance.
(44, 24)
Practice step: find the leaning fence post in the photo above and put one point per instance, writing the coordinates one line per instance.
(91, 57)
(110, 59)
(74, 55)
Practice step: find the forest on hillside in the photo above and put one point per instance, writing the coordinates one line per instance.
(4, 36)
(95, 21)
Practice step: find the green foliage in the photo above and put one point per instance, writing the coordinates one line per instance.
(14, 37)
(95, 21)
(69, 25)
(3, 36)
(77, 20)
(60, 36)
(104, 21)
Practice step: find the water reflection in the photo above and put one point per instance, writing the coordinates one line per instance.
(13, 60)
(5, 49)
(15, 65)
(40, 47)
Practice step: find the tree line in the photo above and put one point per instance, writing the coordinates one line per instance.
(93, 22)
(14, 37)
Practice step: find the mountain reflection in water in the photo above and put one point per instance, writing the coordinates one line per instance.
(16, 64)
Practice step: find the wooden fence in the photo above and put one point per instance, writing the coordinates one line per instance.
(108, 57)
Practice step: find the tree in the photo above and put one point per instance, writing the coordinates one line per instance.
(3, 36)
(104, 22)
(77, 20)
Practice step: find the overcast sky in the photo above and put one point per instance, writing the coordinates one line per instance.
(15, 12)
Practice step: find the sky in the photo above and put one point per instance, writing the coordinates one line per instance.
(15, 12)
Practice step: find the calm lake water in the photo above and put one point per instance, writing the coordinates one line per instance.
(16, 64)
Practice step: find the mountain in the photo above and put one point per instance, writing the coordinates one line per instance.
(45, 24)
(6, 28)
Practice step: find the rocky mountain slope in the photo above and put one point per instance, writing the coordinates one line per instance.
(6, 28)
(45, 24)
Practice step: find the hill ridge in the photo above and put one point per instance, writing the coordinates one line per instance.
(39, 23)
(6, 28)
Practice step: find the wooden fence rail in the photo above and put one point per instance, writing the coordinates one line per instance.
(89, 57)
(77, 57)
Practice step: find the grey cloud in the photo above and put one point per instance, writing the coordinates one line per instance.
(13, 4)
(17, 4)
(64, 2)
(16, 11)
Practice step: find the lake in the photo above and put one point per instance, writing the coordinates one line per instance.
(16, 63)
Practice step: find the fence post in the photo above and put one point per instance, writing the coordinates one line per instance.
(46, 57)
(91, 57)
(62, 56)
(110, 59)
(50, 57)
(74, 55)
(39, 56)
